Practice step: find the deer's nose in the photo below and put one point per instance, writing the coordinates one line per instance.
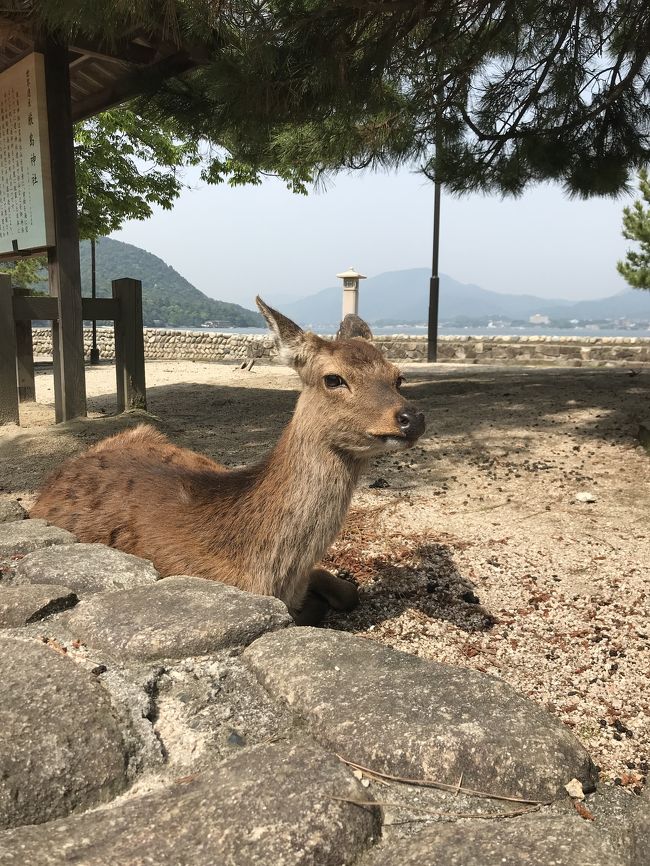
(411, 422)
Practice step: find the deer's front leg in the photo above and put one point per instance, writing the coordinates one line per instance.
(325, 591)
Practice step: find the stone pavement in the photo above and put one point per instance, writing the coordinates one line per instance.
(180, 721)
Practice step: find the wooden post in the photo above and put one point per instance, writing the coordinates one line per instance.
(129, 346)
(8, 382)
(63, 259)
(118, 333)
(94, 351)
(25, 362)
(24, 355)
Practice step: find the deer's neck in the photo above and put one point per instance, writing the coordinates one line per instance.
(300, 496)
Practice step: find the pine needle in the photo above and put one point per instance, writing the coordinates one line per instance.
(435, 813)
(432, 783)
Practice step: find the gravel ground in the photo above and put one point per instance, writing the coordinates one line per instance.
(470, 549)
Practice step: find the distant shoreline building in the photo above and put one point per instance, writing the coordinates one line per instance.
(539, 319)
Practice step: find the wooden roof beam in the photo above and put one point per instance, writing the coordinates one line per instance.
(131, 86)
(130, 52)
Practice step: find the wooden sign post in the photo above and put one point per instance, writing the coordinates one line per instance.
(63, 257)
(38, 207)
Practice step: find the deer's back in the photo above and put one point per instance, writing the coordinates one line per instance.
(133, 491)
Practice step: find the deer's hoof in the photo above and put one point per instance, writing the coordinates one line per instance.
(347, 596)
(313, 611)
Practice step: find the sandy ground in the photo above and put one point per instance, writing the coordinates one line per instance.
(473, 549)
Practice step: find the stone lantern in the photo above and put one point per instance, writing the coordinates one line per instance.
(350, 291)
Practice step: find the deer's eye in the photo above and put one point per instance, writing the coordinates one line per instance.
(334, 381)
(400, 382)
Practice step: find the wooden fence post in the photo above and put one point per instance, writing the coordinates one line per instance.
(25, 357)
(8, 380)
(129, 346)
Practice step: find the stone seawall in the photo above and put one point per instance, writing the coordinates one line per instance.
(569, 351)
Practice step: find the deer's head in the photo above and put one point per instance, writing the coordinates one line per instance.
(351, 394)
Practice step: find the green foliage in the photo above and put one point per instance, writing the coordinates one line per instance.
(113, 20)
(488, 96)
(124, 165)
(636, 227)
(167, 297)
(26, 273)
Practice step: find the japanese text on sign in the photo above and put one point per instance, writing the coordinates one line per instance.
(25, 193)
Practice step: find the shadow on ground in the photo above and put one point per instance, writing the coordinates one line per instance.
(426, 580)
(465, 409)
(230, 424)
(464, 402)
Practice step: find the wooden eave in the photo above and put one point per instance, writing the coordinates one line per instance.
(102, 76)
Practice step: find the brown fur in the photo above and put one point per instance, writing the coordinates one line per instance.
(262, 528)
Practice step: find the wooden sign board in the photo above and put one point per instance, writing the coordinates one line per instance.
(26, 214)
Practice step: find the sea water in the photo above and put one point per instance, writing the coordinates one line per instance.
(508, 330)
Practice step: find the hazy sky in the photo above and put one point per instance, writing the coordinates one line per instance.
(233, 243)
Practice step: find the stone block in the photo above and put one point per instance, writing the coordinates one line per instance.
(85, 568)
(61, 747)
(529, 840)
(269, 804)
(23, 536)
(641, 831)
(11, 510)
(175, 618)
(22, 605)
(409, 717)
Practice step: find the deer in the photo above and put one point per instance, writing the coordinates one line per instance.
(262, 528)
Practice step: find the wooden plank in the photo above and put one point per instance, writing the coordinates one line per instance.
(25, 362)
(8, 381)
(63, 259)
(120, 366)
(11, 256)
(129, 346)
(123, 52)
(56, 374)
(132, 85)
(28, 308)
(25, 353)
(100, 308)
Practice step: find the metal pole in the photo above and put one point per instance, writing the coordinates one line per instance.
(434, 282)
(94, 351)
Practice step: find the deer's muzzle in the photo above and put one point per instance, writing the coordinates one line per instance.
(411, 422)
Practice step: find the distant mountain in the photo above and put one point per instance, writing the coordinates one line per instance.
(632, 304)
(403, 297)
(167, 297)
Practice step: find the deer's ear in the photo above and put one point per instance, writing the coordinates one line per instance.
(289, 337)
(353, 326)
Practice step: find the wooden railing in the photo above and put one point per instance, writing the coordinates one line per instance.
(18, 311)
